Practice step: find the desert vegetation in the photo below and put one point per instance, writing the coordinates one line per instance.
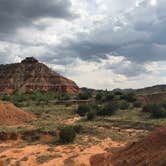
(83, 120)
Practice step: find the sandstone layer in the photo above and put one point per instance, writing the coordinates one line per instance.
(30, 75)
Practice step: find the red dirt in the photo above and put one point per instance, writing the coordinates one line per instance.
(12, 115)
(149, 151)
(63, 155)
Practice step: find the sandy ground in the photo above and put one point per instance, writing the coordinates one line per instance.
(71, 121)
(65, 155)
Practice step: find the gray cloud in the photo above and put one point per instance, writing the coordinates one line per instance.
(19, 13)
(137, 34)
(141, 38)
(127, 68)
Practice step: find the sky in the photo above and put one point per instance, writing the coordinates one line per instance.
(102, 44)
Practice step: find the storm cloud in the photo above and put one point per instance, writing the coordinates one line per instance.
(114, 39)
(19, 13)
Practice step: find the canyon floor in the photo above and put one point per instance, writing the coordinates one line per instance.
(35, 142)
(99, 136)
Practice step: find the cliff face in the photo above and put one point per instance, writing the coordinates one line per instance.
(32, 75)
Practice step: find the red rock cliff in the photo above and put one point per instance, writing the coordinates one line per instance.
(32, 75)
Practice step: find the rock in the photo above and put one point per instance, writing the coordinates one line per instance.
(30, 75)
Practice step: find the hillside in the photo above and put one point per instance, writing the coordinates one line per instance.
(152, 89)
(32, 75)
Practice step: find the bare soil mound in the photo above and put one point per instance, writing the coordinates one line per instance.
(149, 151)
(12, 115)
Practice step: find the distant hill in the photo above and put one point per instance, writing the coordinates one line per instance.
(152, 89)
(30, 75)
(143, 91)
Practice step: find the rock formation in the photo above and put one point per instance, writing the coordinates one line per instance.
(30, 75)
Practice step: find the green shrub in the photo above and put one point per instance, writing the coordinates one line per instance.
(124, 105)
(109, 97)
(63, 96)
(45, 158)
(161, 113)
(91, 115)
(67, 134)
(130, 97)
(31, 136)
(84, 96)
(108, 109)
(99, 97)
(118, 92)
(37, 97)
(150, 108)
(156, 110)
(137, 104)
(77, 128)
(83, 109)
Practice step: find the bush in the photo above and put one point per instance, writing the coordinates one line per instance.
(130, 97)
(83, 109)
(160, 113)
(124, 105)
(156, 110)
(109, 97)
(63, 96)
(118, 92)
(150, 108)
(91, 115)
(38, 97)
(108, 109)
(99, 97)
(77, 128)
(84, 96)
(67, 134)
(137, 104)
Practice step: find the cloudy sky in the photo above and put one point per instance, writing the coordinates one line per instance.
(97, 43)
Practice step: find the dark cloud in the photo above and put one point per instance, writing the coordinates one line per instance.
(141, 39)
(138, 35)
(18, 13)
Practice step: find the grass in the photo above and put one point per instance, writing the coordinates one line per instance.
(24, 158)
(124, 125)
(7, 162)
(103, 127)
(44, 158)
(133, 118)
(52, 117)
